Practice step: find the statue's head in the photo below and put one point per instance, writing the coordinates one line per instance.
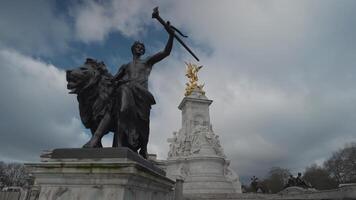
(138, 48)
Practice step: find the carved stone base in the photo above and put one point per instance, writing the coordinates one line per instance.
(203, 175)
(110, 173)
(346, 192)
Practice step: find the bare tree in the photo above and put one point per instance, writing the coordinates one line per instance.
(2, 174)
(14, 174)
(319, 178)
(276, 179)
(342, 164)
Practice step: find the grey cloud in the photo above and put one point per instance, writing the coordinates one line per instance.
(280, 74)
(36, 113)
(95, 20)
(33, 27)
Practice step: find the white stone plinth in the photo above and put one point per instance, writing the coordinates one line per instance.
(99, 178)
(195, 153)
(202, 175)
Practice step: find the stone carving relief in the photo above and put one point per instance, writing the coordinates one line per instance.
(202, 134)
(184, 170)
(231, 175)
(173, 146)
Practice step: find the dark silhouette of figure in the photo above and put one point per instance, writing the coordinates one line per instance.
(257, 186)
(298, 182)
(119, 103)
(291, 182)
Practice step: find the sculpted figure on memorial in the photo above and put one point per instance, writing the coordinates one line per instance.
(170, 152)
(197, 139)
(301, 182)
(298, 181)
(258, 186)
(192, 74)
(215, 142)
(175, 146)
(291, 181)
(172, 148)
(186, 141)
(184, 170)
(179, 144)
(184, 144)
(231, 175)
(120, 103)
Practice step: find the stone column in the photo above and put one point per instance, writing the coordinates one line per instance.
(196, 154)
(195, 111)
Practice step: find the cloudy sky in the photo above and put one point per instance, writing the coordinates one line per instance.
(281, 74)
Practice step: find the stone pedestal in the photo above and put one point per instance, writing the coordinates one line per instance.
(108, 173)
(196, 154)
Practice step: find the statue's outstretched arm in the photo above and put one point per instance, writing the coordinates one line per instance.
(162, 54)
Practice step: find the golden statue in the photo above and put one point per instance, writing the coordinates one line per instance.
(192, 74)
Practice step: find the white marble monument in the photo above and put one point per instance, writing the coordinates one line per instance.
(195, 153)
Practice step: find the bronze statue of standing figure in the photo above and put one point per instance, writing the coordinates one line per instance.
(119, 103)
